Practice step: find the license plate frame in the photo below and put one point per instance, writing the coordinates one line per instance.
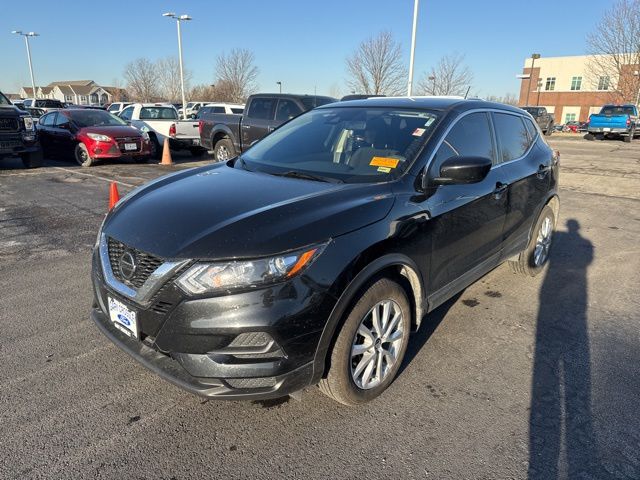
(123, 318)
(130, 146)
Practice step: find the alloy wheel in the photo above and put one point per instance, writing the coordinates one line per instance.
(222, 154)
(543, 242)
(377, 343)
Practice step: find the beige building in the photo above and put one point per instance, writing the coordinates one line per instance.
(570, 87)
(78, 92)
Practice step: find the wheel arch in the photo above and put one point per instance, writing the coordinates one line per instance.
(396, 266)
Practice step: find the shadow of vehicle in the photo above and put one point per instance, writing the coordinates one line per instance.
(562, 442)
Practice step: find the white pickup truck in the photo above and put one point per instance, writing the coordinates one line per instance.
(160, 121)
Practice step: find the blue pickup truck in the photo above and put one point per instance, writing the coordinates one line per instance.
(615, 120)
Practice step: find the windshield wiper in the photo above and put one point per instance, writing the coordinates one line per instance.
(308, 176)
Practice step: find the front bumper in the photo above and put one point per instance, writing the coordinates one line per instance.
(208, 346)
(16, 144)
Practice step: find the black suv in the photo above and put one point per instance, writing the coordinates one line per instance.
(311, 257)
(18, 136)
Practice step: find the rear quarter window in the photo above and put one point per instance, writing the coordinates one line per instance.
(512, 135)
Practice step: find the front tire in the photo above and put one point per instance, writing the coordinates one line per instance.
(370, 345)
(534, 258)
(82, 155)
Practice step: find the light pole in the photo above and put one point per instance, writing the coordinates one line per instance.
(539, 88)
(432, 79)
(26, 36)
(279, 85)
(636, 73)
(413, 47)
(534, 57)
(178, 19)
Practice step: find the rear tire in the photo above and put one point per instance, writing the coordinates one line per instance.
(534, 258)
(628, 138)
(82, 155)
(350, 381)
(224, 150)
(32, 160)
(154, 147)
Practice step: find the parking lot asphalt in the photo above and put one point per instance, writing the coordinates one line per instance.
(515, 378)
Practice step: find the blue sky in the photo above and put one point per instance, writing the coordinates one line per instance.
(301, 43)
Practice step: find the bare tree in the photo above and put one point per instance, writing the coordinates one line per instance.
(376, 67)
(450, 76)
(168, 69)
(236, 75)
(141, 76)
(614, 46)
(508, 99)
(202, 92)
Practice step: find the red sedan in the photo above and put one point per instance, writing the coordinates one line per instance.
(90, 135)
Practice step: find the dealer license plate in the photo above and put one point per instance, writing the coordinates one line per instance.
(123, 318)
(130, 146)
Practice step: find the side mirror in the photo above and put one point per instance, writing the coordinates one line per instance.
(462, 170)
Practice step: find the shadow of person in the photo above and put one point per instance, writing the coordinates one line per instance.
(561, 435)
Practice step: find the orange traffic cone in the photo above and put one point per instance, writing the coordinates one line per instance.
(166, 153)
(114, 196)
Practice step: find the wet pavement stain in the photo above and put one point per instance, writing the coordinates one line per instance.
(471, 302)
(493, 294)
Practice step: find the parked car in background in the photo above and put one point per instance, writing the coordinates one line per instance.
(35, 112)
(160, 121)
(558, 127)
(192, 109)
(313, 256)
(228, 135)
(571, 127)
(88, 135)
(19, 104)
(615, 120)
(46, 104)
(18, 136)
(543, 118)
(117, 107)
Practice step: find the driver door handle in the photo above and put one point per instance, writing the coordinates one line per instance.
(500, 189)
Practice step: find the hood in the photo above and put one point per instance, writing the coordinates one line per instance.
(112, 131)
(220, 212)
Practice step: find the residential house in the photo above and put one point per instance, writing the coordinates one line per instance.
(78, 92)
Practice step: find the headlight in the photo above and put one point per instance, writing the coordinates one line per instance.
(212, 277)
(99, 138)
(28, 123)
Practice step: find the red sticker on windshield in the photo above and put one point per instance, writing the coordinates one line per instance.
(418, 132)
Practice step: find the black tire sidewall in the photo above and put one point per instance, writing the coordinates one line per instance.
(87, 163)
(533, 268)
(224, 142)
(156, 152)
(339, 375)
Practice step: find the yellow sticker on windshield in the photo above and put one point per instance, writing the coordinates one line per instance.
(384, 162)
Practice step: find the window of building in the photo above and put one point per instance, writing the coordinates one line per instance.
(550, 85)
(603, 83)
(68, 98)
(576, 83)
(83, 99)
(569, 117)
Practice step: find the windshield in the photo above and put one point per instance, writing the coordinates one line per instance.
(4, 100)
(353, 145)
(313, 102)
(190, 104)
(532, 111)
(617, 110)
(95, 118)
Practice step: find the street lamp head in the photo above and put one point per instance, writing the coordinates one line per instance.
(185, 17)
(33, 34)
(17, 32)
(535, 56)
(169, 14)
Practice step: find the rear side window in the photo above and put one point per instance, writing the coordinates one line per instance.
(47, 120)
(531, 128)
(287, 110)
(237, 111)
(61, 121)
(218, 110)
(513, 136)
(262, 108)
(470, 136)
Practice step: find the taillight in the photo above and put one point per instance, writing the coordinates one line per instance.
(628, 121)
(200, 127)
(172, 130)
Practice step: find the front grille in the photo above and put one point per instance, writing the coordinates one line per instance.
(9, 124)
(146, 264)
(241, 383)
(122, 140)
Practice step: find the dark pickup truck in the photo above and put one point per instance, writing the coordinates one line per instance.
(18, 136)
(229, 135)
(543, 118)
